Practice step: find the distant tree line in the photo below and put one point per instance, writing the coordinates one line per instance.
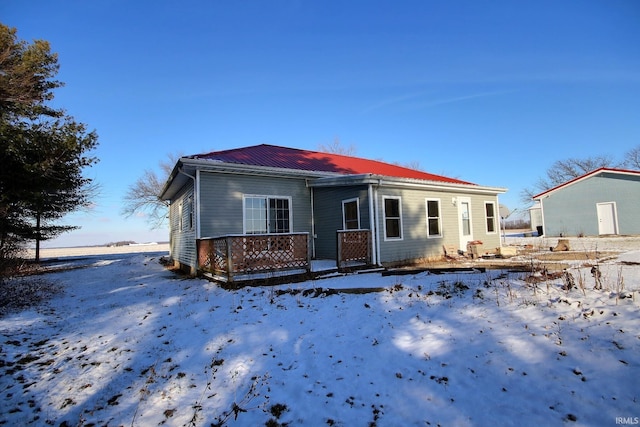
(517, 224)
(121, 243)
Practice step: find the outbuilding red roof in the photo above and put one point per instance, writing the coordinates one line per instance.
(290, 158)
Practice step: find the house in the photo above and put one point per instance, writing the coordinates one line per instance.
(602, 202)
(269, 210)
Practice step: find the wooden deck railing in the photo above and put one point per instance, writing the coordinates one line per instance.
(354, 247)
(236, 255)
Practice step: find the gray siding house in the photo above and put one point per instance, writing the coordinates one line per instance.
(605, 201)
(267, 210)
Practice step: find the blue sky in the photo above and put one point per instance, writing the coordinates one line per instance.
(489, 92)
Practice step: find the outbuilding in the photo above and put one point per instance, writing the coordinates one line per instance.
(605, 201)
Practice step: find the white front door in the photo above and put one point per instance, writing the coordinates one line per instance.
(464, 218)
(607, 221)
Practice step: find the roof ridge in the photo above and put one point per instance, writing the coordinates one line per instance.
(616, 170)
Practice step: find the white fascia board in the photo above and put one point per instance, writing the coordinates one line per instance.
(386, 181)
(215, 166)
(321, 179)
(169, 189)
(189, 165)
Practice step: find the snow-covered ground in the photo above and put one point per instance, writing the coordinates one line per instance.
(127, 342)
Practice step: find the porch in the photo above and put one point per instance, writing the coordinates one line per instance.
(236, 258)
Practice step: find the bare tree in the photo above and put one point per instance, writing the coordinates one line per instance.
(632, 158)
(413, 164)
(337, 148)
(565, 170)
(143, 196)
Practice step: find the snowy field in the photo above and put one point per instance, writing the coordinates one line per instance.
(124, 342)
(97, 250)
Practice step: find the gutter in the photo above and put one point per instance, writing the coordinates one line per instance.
(210, 165)
(377, 223)
(170, 178)
(313, 221)
(381, 180)
(372, 226)
(234, 168)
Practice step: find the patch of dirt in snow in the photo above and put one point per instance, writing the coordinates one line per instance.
(536, 253)
(24, 292)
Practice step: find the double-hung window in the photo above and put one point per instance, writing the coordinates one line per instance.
(490, 215)
(279, 217)
(267, 214)
(392, 218)
(434, 228)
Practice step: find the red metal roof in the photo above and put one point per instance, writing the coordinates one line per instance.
(291, 158)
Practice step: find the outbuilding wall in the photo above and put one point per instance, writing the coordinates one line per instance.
(572, 210)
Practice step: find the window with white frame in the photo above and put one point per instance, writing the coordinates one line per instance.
(350, 214)
(279, 217)
(267, 214)
(189, 213)
(392, 218)
(490, 215)
(434, 228)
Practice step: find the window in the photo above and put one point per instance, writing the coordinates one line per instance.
(350, 214)
(392, 218)
(433, 218)
(185, 214)
(189, 207)
(263, 214)
(465, 214)
(255, 215)
(278, 219)
(490, 213)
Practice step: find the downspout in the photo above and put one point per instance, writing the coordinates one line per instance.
(196, 202)
(313, 222)
(377, 213)
(372, 226)
(501, 224)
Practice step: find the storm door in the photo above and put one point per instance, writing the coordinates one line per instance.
(350, 214)
(464, 218)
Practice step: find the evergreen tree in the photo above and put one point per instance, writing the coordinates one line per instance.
(43, 151)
